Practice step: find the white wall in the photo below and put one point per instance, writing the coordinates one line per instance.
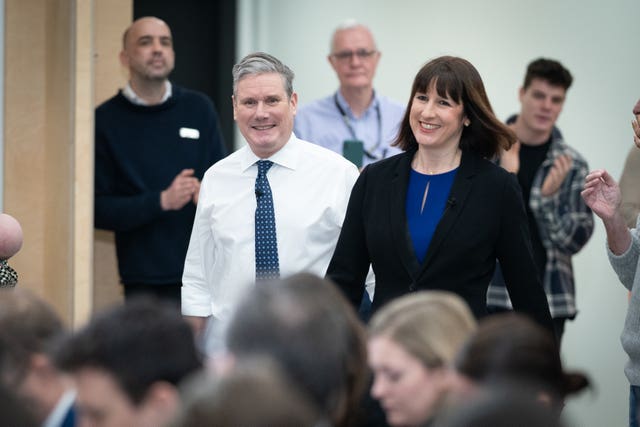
(597, 41)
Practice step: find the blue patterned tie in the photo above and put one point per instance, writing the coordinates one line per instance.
(267, 266)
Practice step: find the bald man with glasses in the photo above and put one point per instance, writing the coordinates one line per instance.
(355, 121)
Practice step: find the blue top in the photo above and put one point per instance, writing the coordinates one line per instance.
(422, 220)
(139, 151)
(322, 123)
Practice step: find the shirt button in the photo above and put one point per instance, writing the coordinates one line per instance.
(412, 287)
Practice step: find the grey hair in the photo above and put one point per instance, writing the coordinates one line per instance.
(262, 63)
(349, 24)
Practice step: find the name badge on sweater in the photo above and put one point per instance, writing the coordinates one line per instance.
(189, 133)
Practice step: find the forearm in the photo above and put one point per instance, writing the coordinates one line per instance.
(123, 213)
(629, 187)
(630, 211)
(618, 236)
(198, 324)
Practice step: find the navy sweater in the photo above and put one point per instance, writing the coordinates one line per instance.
(139, 151)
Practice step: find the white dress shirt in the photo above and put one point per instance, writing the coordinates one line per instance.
(311, 187)
(57, 416)
(132, 96)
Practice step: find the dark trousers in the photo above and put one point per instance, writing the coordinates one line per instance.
(364, 311)
(166, 293)
(558, 322)
(634, 402)
(558, 327)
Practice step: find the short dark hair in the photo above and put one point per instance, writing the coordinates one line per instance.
(139, 344)
(305, 324)
(458, 79)
(503, 406)
(513, 348)
(16, 410)
(28, 326)
(550, 70)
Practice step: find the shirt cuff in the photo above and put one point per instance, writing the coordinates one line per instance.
(195, 302)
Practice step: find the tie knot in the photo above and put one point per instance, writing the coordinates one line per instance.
(263, 166)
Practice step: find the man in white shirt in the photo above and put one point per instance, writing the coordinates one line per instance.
(308, 191)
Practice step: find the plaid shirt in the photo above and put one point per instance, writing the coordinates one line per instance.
(565, 224)
(8, 276)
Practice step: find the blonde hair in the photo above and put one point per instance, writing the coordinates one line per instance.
(429, 325)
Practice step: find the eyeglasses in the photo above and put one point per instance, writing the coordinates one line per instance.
(347, 55)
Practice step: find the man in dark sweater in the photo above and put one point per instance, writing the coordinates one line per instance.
(551, 175)
(154, 141)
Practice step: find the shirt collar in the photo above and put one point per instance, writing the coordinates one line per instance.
(287, 156)
(345, 106)
(58, 414)
(130, 94)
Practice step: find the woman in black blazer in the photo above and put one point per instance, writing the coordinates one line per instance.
(439, 215)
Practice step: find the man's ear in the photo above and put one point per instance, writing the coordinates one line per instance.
(40, 365)
(332, 62)
(124, 59)
(160, 404)
(294, 102)
(521, 93)
(233, 102)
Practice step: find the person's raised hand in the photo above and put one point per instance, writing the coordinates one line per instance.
(180, 192)
(558, 172)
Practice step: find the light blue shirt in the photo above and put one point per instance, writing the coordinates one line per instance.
(322, 123)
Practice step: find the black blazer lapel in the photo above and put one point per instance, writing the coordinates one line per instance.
(397, 214)
(459, 191)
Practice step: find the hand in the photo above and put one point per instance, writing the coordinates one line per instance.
(180, 192)
(602, 194)
(196, 194)
(635, 124)
(557, 174)
(510, 159)
(197, 324)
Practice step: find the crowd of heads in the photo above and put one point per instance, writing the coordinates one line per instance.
(296, 355)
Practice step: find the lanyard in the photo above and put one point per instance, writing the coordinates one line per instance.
(369, 153)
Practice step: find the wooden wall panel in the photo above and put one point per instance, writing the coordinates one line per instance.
(25, 133)
(48, 143)
(111, 18)
(57, 187)
(83, 148)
